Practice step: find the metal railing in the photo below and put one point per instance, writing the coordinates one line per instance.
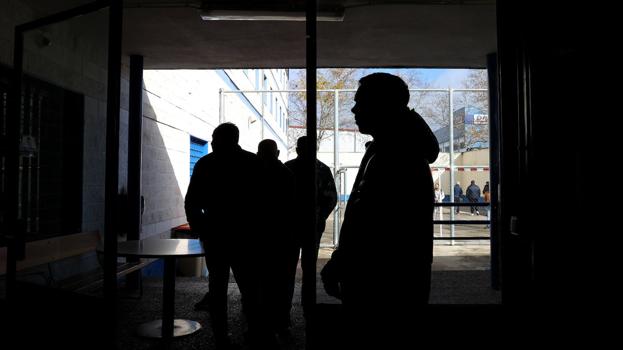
(453, 222)
(341, 172)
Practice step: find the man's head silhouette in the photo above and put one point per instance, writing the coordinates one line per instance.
(301, 146)
(379, 94)
(267, 149)
(225, 137)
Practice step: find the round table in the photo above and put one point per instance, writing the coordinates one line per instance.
(169, 250)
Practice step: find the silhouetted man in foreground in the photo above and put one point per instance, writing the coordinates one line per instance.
(381, 268)
(280, 241)
(222, 206)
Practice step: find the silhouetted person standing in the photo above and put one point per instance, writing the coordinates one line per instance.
(222, 206)
(280, 241)
(327, 193)
(381, 268)
(473, 196)
(325, 202)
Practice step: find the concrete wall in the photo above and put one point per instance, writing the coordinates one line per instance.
(257, 122)
(177, 104)
(468, 159)
(72, 55)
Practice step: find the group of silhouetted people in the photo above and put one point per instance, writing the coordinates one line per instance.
(381, 268)
(253, 229)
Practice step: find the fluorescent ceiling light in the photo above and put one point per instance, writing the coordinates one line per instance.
(249, 15)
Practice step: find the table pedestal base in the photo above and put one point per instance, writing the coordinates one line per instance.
(181, 328)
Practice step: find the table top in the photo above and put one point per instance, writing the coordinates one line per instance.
(159, 248)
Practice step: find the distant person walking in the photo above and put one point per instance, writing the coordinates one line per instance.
(439, 196)
(458, 195)
(380, 305)
(473, 196)
(222, 206)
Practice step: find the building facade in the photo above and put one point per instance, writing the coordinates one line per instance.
(181, 109)
(471, 130)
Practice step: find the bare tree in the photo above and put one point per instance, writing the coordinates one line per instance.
(338, 79)
(436, 108)
(476, 133)
(327, 79)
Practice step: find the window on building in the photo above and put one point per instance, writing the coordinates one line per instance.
(198, 149)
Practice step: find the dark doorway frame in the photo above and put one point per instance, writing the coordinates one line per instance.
(15, 238)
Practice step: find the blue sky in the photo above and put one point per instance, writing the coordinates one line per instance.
(438, 77)
(441, 78)
(444, 78)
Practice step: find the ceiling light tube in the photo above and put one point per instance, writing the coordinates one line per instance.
(246, 15)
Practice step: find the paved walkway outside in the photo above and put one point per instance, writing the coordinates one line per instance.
(467, 230)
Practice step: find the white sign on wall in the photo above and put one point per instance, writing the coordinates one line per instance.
(481, 119)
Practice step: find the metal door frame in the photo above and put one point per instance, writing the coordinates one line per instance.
(15, 238)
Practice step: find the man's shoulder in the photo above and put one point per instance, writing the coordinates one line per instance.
(292, 164)
(243, 152)
(205, 159)
(284, 170)
(322, 165)
(248, 157)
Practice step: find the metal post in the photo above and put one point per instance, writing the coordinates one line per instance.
(112, 167)
(221, 106)
(451, 160)
(310, 249)
(440, 209)
(336, 214)
(15, 235)
(336, 163)
(168, 299)
(262, 114)
(135, 131)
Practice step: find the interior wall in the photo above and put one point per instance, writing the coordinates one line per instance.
(72, 55)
